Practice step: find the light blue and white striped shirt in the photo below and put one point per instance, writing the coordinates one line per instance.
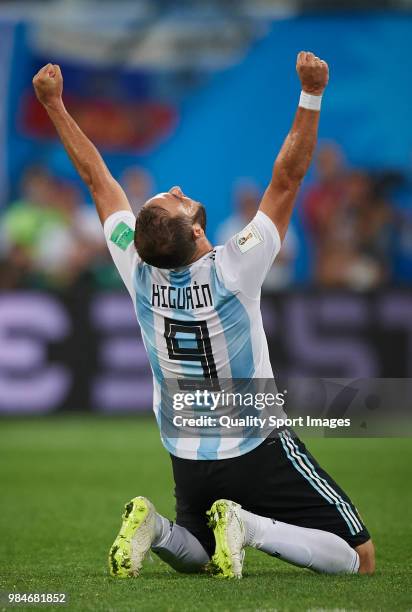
(203, 320)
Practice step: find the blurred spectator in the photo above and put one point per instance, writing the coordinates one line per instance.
(71, 250)
(351, 234)
(22, 223)
(24, 217)
(247, 197)
(138, 186)
(323, 198)
(48, 236)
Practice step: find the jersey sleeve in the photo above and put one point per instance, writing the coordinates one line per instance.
(244, 261)
(119, 234)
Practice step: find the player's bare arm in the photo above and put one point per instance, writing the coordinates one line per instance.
(106, 192)
(296, 153)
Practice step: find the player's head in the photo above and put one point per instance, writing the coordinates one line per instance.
(169, 228)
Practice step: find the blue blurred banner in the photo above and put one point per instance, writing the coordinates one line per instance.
(232, 123)
(7, 43)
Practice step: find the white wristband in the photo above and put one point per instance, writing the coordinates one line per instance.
(310, 102)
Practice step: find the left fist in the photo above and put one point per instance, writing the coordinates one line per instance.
(313, 73)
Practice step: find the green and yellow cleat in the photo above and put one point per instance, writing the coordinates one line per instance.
(229, 531)
(134, 539)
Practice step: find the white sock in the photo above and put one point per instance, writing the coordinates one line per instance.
(178, 547)
(318, 550)
(162, 529)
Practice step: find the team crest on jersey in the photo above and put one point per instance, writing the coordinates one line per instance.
(248, 238)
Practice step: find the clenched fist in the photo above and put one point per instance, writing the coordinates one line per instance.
(48, 84)
(313, 73)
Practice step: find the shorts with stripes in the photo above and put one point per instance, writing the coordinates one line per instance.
(280, 479)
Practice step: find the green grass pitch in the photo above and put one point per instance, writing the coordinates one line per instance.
(64, 481)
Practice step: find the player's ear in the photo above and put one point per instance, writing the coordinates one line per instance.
(197, 231)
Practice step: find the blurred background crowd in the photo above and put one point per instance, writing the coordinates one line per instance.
(349, 226)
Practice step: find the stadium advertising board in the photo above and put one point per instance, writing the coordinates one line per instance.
(86, 352)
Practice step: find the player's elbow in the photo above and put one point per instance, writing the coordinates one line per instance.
(100, 185)
(287, 180)
(96, 177)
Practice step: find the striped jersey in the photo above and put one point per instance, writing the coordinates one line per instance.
(202, 320)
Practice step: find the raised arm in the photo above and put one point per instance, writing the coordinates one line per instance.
(107, 194)
(296, 153)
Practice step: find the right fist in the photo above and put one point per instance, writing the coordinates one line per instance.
(48, 84)
(313, 73)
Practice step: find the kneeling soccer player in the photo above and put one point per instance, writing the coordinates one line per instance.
(199, 312)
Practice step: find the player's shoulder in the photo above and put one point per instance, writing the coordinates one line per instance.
(259, 230)
(243, 261)
(119, 229)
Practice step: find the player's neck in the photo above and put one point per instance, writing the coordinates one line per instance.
(203, 247)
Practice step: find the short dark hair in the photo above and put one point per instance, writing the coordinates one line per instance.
(166, 241)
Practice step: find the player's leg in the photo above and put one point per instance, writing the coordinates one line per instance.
(315, 524)
(336, 512)
(235, 528)
(144, 529)
(315, 549)
(178, 547)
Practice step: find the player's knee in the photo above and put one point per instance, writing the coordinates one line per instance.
(366, 554)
